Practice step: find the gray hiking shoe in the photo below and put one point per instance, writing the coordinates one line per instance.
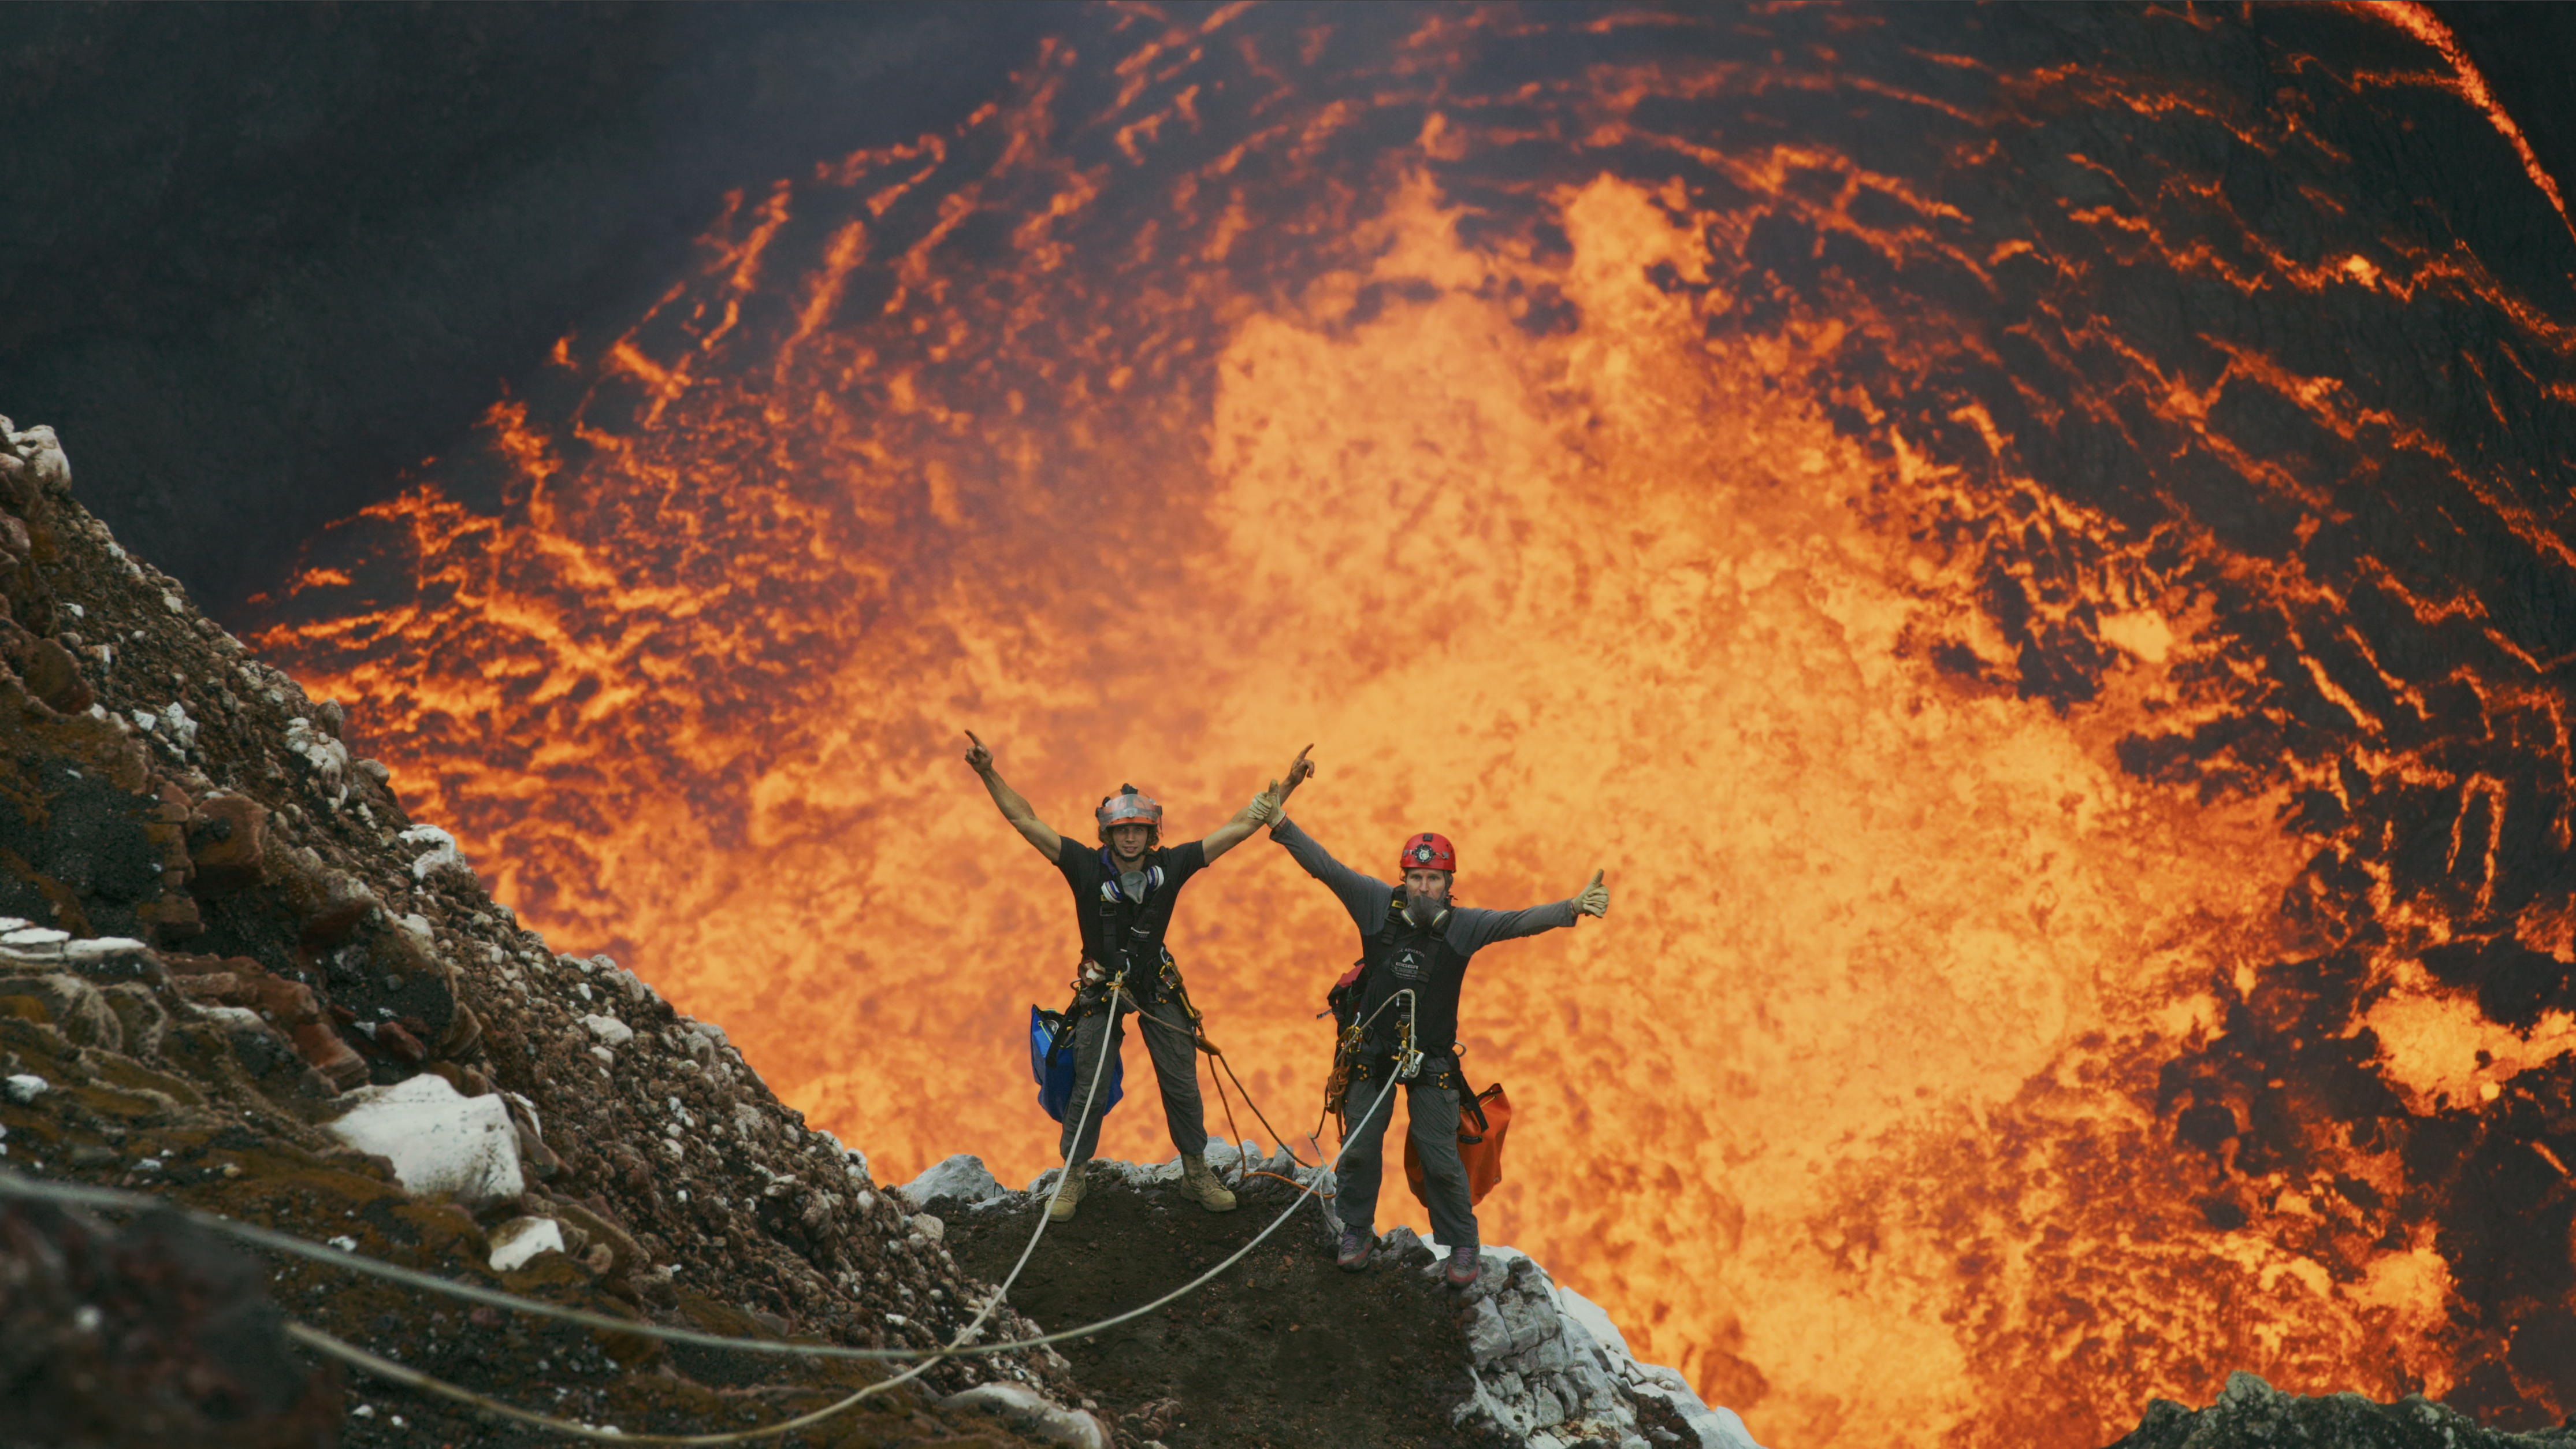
(1356, 1245)
(1466, 1265)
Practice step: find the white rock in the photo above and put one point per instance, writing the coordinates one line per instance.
(1033, 1414)
(1545, 1407)
(53, 471)
(176, 724)
(1716, 1428)
(609, 1030)
(34, 936)
(102, 948)
(440, 1143)
(1547, 1356)
(963, 1177)
(1487, 1338)
(1577, 1365)
(25, 1087)
(1595, 1320)
(930, 1226)
(330, 761)
(517, 1241)
(1532, 1320)
(851, 1158)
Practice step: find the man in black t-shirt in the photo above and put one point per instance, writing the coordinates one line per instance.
(1123, 894)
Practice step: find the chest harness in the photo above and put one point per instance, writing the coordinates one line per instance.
(1125, 936)
(1353, 1061)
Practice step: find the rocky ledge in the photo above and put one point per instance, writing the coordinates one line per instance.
(1301, 1353)
(2252, 1414)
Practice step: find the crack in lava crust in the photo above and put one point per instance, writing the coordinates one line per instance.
(1936, 505)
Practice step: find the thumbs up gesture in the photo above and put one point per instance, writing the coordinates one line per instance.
(1594, 899)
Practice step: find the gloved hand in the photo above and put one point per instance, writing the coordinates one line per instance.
(1593, 899)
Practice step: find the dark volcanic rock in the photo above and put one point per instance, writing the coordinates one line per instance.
(2251, 1414)
(156, 1334)
(220, 923)
(1295, 1353)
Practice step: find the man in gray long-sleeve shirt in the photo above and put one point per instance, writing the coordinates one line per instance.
(1415, 947)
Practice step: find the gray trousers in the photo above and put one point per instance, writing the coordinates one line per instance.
(1176, 1070)
(1434, 1127)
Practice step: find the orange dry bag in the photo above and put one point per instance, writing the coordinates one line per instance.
(1483, 1151)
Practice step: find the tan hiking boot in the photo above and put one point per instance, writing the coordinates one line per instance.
(1200, 1183)
(1075, 1180)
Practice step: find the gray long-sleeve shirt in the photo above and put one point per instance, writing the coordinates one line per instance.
(1467, 931)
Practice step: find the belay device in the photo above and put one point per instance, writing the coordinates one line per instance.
(1051, 1062)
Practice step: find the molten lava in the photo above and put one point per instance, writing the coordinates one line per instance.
(1951, 520)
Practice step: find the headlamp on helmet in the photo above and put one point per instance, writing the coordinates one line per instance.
(1427, 852)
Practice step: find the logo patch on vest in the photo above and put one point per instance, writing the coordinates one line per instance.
(1409, 964)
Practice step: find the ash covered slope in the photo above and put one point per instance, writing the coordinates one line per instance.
(229, 934)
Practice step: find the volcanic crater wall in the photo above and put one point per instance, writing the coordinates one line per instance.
(2029, 540)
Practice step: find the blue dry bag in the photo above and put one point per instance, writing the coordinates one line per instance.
(1051, 1062)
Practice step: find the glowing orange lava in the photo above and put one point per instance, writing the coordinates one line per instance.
(1428, 387)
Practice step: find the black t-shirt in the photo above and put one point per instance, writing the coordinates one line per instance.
(1110, 920)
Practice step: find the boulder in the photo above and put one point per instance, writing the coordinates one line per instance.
(226, 839)
(439, 1143)
(962, 1179)
(1033, 1414)
(519, 1240)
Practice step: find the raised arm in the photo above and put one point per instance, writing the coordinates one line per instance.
(1364, 898)
(1470, 929)
(1263, 808)
(1014, 809)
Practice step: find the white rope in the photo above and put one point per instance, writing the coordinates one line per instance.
(14, 1184)
(357, 1357)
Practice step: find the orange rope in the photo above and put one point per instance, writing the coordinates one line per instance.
(1234, 1133)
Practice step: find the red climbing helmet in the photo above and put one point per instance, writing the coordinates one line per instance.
(1427, 852)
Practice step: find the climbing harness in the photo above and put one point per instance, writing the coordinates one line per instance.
(1123, 931)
